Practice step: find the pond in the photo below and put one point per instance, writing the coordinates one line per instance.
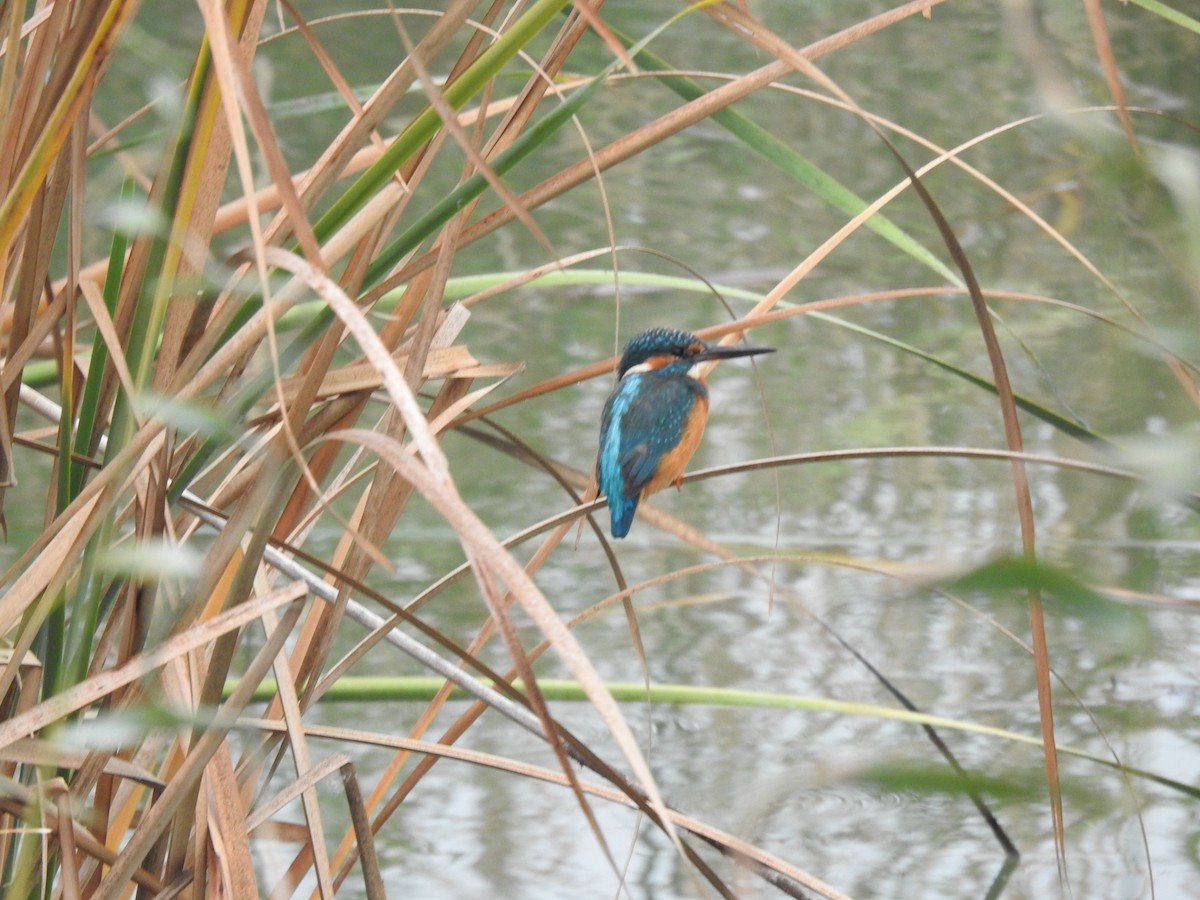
(859, 541)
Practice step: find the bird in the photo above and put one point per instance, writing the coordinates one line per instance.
(654, 418)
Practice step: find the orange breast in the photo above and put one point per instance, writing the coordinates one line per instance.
(673, 462)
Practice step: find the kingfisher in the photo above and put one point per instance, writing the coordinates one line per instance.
(654, 418)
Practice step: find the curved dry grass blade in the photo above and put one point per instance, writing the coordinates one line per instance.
(587, 506)
(796, 166)
(492, 565)
(1024, 500)
(373, 622)
(492, 702)
(729, 844)
(1112, 75)
(451, 123)
(101, 685)
(520, 450)
(1009, 456)
(985, 453)
(426, 124)
(183, 781)
(328, 66)
(656, 131)
(813, 309)
(336, 160)
(1008, 410)
(322, 589)
(374, 350)
(517, 713)
(499, 606)
(485, 551)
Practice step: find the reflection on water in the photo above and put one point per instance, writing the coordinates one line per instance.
(786, 780)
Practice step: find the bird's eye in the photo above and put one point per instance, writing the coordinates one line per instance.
(694, 348)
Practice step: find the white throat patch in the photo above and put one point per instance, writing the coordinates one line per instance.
(695, 371)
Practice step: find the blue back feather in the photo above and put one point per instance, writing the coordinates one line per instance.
(608, 465)
(643, 419)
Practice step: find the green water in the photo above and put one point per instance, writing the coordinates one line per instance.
(786, 780)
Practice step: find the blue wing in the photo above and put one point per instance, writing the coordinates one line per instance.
(643, 419)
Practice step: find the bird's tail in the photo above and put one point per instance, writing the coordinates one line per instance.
(622, 509)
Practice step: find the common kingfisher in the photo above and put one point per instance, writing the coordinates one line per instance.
(655, 416)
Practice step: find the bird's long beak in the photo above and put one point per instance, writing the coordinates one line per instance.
(730, 351)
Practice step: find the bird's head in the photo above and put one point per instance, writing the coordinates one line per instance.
(658, 348)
